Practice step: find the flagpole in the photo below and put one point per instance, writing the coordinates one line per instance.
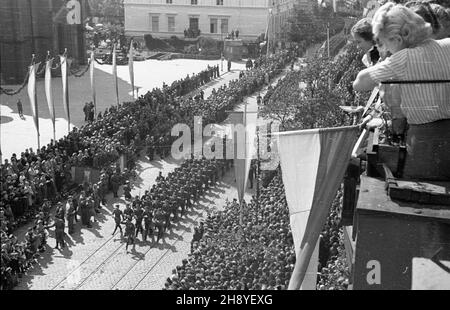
(241, 215)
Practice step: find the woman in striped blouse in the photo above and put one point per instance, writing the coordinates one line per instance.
(422, 67)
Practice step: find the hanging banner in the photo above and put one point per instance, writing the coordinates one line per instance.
(243, 141)
(313, 163)
(237, 118)
(48, 90)
(94, 100)
(114, 64)
(32, 95)
(131, 67)
(64, 77)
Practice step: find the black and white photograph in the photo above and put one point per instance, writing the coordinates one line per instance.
(255, 146)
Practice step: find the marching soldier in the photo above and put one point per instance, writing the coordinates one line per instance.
(139, 216)
(117, 219)
(129, 233)
(159, 217)
(167, 211)
(128, 212)
(148, 224)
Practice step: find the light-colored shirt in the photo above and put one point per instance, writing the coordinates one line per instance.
(420, 103)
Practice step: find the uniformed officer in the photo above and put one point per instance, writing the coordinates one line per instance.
(59, 232)
(148, 224)
(139, 216)
(128, 212)
(129, 233)
(117, 219)
(159, 223)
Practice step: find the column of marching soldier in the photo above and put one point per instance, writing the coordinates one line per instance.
(168, 200)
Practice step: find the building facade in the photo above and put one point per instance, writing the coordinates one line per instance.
(280, 13)
(35, 27)
(214, 18)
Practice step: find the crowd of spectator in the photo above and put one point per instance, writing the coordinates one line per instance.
(259, 255)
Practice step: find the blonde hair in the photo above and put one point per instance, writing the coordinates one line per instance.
(395, 19)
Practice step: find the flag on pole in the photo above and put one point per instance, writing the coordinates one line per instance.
(65, 86)
(94, 100)
(114, 64)
(48, 90)
(313, 163)
(131, 67)
(32, 95)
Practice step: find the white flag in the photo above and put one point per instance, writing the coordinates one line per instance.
(114, 64)
(131, 66)
(32, 94)
(64, 72)
(48, 90)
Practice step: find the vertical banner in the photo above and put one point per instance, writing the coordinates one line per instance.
(94, 100)
(313, 163)
(243, 140)
(114, 64)
(32, 96)
(48, 93)
(131, 67)
(64, 77)
(237, 118)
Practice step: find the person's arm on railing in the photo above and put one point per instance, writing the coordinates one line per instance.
(364, 81)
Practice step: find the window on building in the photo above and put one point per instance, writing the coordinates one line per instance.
(194, 2)
(169, 1)
(224, 26)
(219, 2)
(213, 25)
(171, 23)
(155, 23)
(193, 23)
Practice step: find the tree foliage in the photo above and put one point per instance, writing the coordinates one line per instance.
(310, 97)
(110, 10)
(311, 27)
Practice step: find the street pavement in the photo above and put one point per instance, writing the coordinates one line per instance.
(96, 260)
